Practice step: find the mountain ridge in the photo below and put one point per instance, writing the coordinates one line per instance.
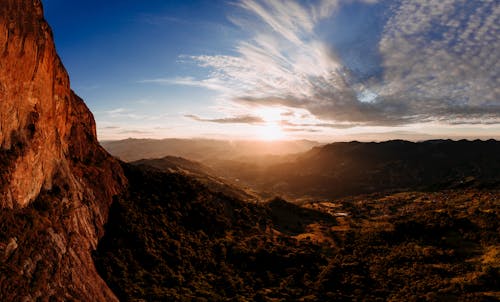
(78, 225)
(203, 174)
(351, 168)
(202, 150)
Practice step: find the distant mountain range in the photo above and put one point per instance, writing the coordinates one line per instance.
(352, 168)
(342, 169)
(76, 224)
(202, 149)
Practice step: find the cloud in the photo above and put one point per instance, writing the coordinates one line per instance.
(321, 125)
(123, 114)
(210, 83)
(442, 59)
(134, 132)
(289, 19)
(439, 60)
(118, 113)
(244, 119)
(288, 113)
(301, 130)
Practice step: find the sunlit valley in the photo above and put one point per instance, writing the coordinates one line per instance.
(253, 150)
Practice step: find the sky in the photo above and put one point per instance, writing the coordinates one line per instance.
(325, 70)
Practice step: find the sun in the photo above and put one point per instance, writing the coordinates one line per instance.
(269, 114)
(271, 132)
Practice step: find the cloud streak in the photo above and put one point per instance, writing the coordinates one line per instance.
(120, 113)
(319, 125)
(244, 119)
(439, 59)
(213, 83)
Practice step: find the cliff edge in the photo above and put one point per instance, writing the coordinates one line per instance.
(56, 182)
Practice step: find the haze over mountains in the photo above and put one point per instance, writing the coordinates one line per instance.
(203, 149)
(77, 224)
(342, 169)
(333, 170)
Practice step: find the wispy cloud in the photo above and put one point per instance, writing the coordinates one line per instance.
(301, 130)
(320, 125)
(210, 83)
(244, 119)
(440, 62)
(134, 132)
(121, 113)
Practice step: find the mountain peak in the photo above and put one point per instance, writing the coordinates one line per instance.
(51, 166)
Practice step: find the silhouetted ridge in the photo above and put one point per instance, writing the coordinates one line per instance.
(201, 173)
(342, 169)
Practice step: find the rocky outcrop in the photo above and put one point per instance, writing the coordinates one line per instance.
(56, 181)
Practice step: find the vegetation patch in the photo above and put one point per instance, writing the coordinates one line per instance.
(173, 239)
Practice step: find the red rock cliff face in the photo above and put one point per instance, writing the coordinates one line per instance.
(56, 181)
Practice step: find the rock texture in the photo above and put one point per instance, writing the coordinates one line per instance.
(56, 181)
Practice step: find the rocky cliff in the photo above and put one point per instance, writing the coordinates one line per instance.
(56, 182)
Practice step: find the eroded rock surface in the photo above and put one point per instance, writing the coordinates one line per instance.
(56, 181)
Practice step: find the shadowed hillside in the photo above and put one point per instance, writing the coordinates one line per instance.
(342, 169)
(172, 239)
(201, 173)
(351, 168)
(76, 224)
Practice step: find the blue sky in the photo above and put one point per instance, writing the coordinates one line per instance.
(319, 69)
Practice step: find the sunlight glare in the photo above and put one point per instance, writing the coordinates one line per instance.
(271, 132)
(269, 114)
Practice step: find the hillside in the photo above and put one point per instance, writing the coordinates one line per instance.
(76, 224)
(342, 169)
(201, 173)
(350, 168)
(171, 239)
